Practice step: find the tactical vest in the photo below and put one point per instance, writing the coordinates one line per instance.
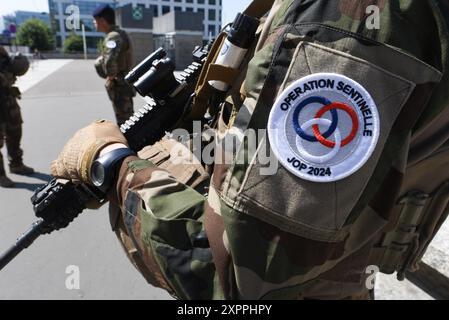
(388, 212)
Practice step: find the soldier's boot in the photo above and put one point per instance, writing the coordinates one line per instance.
(16, 164)
(5, 182)
(21, 169)
(15, 153)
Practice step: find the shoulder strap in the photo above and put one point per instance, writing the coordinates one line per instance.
(258, 8)
(210, 72)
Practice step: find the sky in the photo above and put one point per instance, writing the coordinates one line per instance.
(230, 7)
(8, 6)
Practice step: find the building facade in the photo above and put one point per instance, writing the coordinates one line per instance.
(63, 26)
(179, 33)
(7, 21)
(138, 23)
(19, 17)
(61, 9)
(22, 16)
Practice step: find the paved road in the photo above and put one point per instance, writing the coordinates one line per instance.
(53, 110)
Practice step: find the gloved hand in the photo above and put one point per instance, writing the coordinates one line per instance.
(75, 161)
(99, 67)
(15, 92)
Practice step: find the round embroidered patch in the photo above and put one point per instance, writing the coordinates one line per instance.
(324, 127)
(111, 44)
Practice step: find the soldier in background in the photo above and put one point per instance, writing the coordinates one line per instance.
(115, 62)
(10, 116)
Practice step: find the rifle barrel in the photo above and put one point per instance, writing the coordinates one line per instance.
(22, 243)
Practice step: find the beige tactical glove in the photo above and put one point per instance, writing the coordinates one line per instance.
(75, 161)
(99, 67)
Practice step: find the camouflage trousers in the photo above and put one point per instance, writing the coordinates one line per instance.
(122, 104)
(11, 133)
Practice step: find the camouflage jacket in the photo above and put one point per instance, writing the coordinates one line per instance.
(8, 92)
(256, 236)
(117, 53)
(7, 78)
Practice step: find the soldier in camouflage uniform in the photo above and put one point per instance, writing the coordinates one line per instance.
(285, 236)
(115, 62)
(10, 116)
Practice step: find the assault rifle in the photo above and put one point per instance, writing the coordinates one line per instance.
(170, 95)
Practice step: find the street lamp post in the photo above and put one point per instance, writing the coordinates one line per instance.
(83, 29)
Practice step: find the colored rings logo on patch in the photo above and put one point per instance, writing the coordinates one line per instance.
(324, 127)
(332, 108)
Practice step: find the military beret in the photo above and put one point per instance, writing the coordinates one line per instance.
(101, 10)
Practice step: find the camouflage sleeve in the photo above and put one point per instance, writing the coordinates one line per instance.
(298, 230)
(111, 51)
(3, 81)
(339, 101)
(163, 218)
(7, 79)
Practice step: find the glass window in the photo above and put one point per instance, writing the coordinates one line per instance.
(201, 11)
(211, 30)
(212, 15)
(85, 7)
(88, 24)
(154, 9)
(92, 42)
(58, 42)
(53, 8)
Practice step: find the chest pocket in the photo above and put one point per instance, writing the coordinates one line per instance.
(324, 211)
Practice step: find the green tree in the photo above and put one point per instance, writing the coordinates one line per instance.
(73, 44)
(35, 34)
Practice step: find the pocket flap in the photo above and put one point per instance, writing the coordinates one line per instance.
(314, 208)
